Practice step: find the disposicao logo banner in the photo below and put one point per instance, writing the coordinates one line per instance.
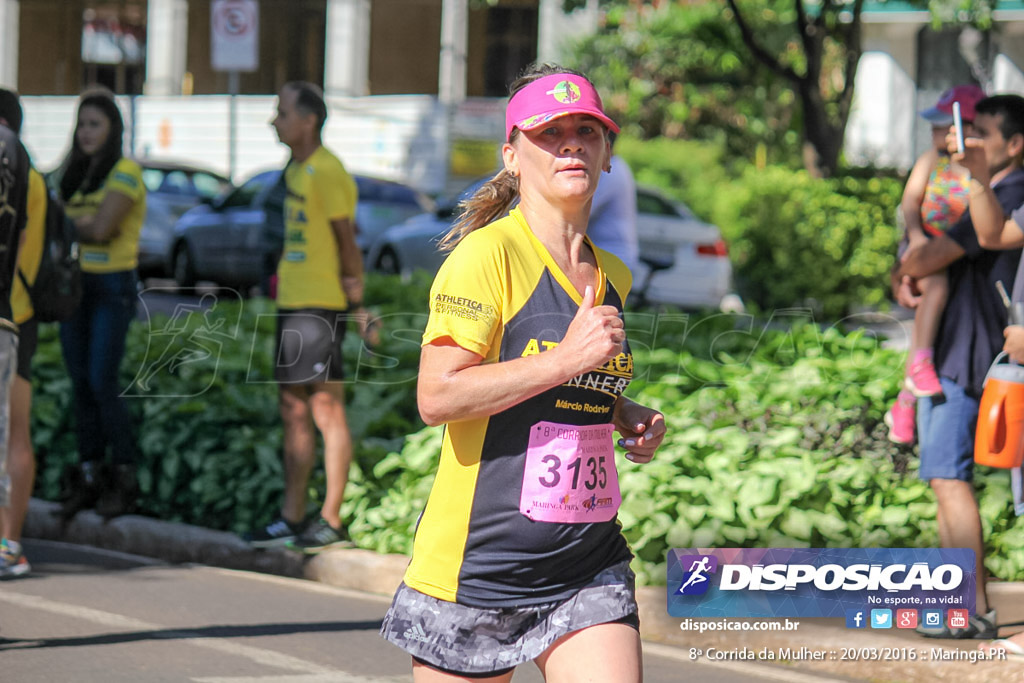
(816, 582)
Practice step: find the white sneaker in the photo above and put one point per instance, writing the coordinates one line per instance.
(12, 561)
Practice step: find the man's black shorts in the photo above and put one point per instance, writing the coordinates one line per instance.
(309, 345)
(28, 339)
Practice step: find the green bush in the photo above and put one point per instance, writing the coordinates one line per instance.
(776, 439)
(695, 172)
(776, 436)
(209, 430)
(793, 240)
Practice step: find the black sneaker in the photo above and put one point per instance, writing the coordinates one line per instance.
(277, 534)
(121, 495)
(319, 535)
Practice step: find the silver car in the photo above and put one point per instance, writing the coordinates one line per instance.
(688, 260)
(171, 190)
(235, 239)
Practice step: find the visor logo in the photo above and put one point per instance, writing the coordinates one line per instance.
(566, 92)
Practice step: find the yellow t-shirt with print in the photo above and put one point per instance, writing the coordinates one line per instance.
(122, 252)
(501, 295)
(31, 251)
(309, 274)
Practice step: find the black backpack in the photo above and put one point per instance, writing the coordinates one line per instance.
(57, 290)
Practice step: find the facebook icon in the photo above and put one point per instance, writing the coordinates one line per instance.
(855, 618)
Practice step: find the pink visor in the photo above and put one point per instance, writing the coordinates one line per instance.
(552, 97)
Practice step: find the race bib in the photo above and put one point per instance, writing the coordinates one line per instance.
(570, 474)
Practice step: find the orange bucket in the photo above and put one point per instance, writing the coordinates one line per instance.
(999, 437)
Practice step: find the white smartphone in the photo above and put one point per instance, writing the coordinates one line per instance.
(958, 124)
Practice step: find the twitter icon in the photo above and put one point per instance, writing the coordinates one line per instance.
(881, 618)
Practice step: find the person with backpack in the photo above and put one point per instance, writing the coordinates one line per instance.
(105, 198)
(14, 166)
(21, 463)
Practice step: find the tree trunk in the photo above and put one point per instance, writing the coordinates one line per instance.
(823, 139)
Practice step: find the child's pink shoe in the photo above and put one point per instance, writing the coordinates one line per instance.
(921, 379)
(901, 418)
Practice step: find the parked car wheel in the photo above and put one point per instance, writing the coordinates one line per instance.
(387, 262)
(184, 270)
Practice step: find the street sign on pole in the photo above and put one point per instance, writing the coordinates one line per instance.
(234, 33)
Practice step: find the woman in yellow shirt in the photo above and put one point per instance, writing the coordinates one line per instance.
(104, 196)
(519, 554)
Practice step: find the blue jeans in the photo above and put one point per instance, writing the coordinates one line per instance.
(945, 434)
(93, 343)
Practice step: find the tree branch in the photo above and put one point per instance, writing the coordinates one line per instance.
(853, 54)
(812, 37)
(759, 52)
(802, 25)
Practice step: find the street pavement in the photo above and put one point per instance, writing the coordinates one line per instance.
(876, 655)
(91, 615)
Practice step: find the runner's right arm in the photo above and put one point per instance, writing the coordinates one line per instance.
(454, 383)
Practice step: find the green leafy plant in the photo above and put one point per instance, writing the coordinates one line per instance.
(793, 239)
(776, 437)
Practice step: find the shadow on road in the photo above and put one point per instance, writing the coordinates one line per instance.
(236, 631)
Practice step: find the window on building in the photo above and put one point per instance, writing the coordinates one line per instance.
(114, 47)
(511, 46)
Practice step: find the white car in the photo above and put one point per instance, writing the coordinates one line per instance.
(688, 258)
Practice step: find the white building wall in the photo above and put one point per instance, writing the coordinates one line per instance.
(880, 129)
(1008, 70)
(166, 46)
(556, 29)
(10, 14)
(347, 52)
(396, 137)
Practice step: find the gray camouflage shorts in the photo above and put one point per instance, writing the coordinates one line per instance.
(470, 640)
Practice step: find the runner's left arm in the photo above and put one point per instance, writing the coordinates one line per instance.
(642, 429)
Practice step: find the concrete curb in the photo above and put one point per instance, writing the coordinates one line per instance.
(371, 572)
(182, 543)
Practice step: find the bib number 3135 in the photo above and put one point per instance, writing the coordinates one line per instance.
(570, 474)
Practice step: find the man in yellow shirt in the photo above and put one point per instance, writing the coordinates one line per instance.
(320, 281)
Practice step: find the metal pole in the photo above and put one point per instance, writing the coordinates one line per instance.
(451, 86)
(233, 79)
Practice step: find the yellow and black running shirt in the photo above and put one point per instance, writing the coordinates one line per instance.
(122, 252)
(501, 295)
(309, 274)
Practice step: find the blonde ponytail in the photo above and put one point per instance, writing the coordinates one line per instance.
(487, 204)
